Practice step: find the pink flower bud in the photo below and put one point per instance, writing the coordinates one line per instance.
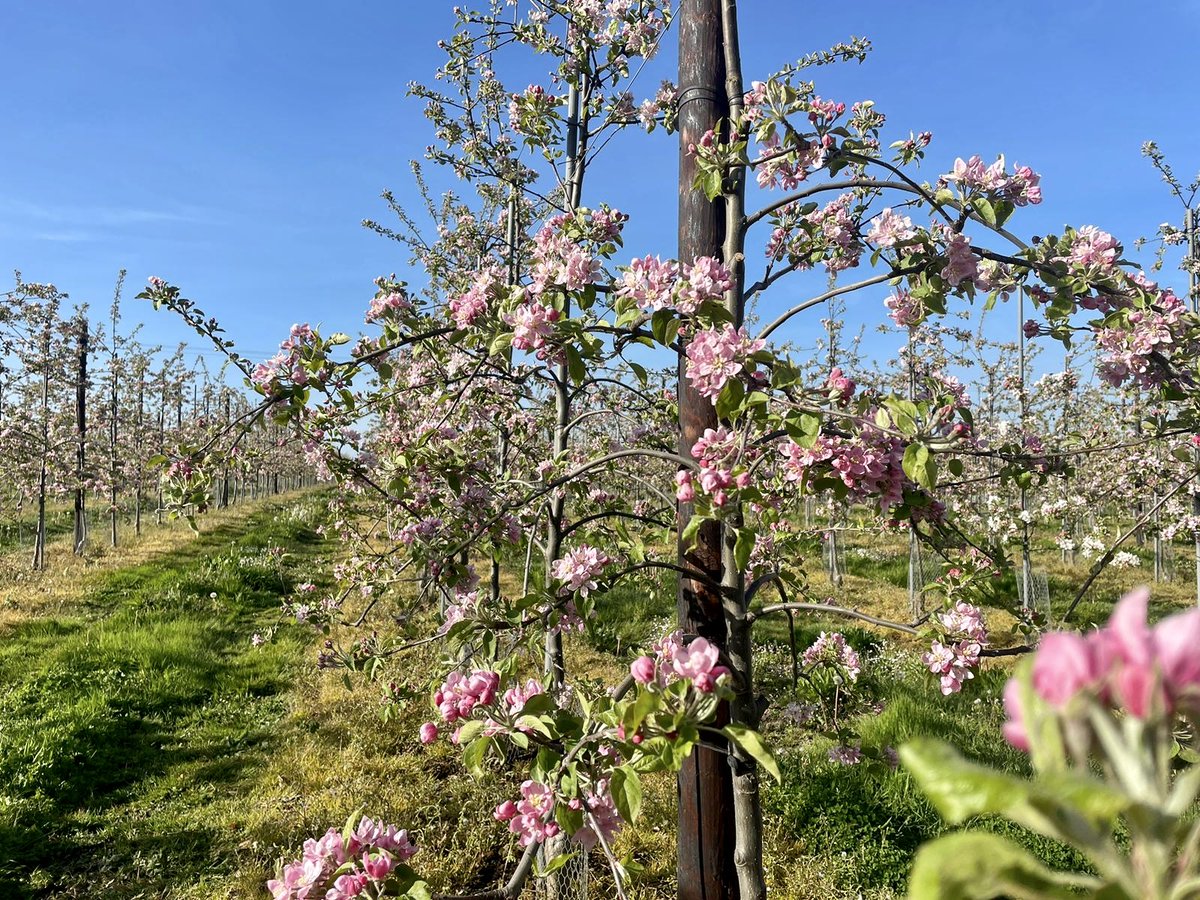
(685, 492)
(505, 811)
(428, 733)
(643, 670)
(1014, 728)
(1176, 639)
(1064, 665)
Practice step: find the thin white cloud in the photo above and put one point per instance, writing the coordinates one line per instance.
(14, 211)
(62, 237)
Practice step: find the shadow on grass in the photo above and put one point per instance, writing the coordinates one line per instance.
(119, 727)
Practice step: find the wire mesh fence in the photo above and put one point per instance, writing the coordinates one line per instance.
(1034, 592)
(569, 881)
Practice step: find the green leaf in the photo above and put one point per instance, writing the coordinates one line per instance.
(974, 866)
(743, 547)
(536, 724)
(983, 207)
(635, 714)
(1067, 805)
(500, 343)
(626, 789)
(916, 464)
(688, 538)
(730, 398)
(474, 754)
(664, 326)
(752, 743)
(575, 366)
(470, 731)
(555, 864)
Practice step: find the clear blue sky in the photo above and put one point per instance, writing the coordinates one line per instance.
(234, 147)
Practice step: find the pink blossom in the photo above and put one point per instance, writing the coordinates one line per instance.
(468, 308)
(388, 304)
(954, 659)
(516, 697)
(579, 569)
(961, 264)
(428, 733)
(904, 309)
(649, 282)
(1175, 641)
(685, 492)
(841, 388)
(706, 280)
(889, 229)
(316, 873)
(532, 325)
(716, 355)
(1134, 678)
(1093, 248)
(697, 662)
(377, 867)
(1024, 187)
(505, 811)
(831, 649)
(532, 816)
(460, 694)
(602, 815)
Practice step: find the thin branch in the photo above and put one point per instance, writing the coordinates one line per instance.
(832, 610)
(515, 884)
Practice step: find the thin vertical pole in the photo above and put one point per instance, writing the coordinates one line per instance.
(1023, 401)
(706, 827)
(81, 437)
(1193, 270)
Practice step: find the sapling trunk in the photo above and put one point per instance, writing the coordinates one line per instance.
(81, 528)
(39, 537)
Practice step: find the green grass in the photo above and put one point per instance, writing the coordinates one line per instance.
(121, 723)
(147, 750)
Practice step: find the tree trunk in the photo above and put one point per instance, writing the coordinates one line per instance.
(39, 536)
(224, 504)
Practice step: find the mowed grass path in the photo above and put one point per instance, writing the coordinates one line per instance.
(128, 714)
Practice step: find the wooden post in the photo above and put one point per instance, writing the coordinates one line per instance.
(706, 827)
(81, 437)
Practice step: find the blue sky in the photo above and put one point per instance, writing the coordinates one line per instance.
(233, 148)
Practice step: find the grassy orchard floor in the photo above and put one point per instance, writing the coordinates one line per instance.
(148, 750)
(133, 710)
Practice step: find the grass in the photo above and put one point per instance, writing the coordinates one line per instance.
(129, 711)
(148, 750)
